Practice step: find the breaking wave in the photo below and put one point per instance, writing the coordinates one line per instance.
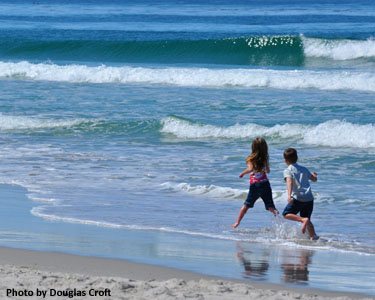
(332, 133)
(283, 50)
(197, 77)
(8, 122)
(339, 49)
(216, 192)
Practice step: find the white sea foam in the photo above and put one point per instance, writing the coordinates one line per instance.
(341, 134)
(210, 191)
(283, 233)
(332, 133)
(201, 77)
(339, 49)
(217, 192)
(37, 198)
(8, 122)
(39, 212)
(190, 130)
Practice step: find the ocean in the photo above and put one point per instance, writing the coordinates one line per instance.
(139, 115)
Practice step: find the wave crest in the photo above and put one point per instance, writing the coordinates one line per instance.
(339, 49)
(274, 50)
(216, 192)
(200, 77)
(332, 133)
(211, 191)
(262, 50)
(24, 123)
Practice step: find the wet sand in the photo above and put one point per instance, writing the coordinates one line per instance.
(28, 274)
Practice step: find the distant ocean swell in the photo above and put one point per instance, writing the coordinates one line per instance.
(197, 77)
(257, 50)
(333, 133)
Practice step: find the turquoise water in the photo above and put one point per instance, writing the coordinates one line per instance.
(140, 116)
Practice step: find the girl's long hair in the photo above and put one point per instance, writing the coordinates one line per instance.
(259, 156)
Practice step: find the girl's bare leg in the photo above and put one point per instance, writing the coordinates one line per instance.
(240, 216)
(274, 211)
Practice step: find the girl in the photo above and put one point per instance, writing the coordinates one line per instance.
(258, 167)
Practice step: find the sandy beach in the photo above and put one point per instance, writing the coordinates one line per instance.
(30, 274)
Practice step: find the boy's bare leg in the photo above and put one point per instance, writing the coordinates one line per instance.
(311, 230)
(304, 221)
(240, 216)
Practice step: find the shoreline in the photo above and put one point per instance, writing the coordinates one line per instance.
(96, 252)
(31, 270)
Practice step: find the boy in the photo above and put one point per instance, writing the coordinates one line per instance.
(300, 197)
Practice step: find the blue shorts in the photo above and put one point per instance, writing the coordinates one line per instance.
(304, 209)
(260, 190)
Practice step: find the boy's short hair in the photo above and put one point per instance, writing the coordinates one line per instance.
(290, 155)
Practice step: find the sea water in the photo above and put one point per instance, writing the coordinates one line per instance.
(139, 115)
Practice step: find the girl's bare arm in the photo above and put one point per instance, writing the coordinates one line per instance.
(268, 167)
(248, 170)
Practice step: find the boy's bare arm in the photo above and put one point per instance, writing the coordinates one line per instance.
(289, 184)
(314, 176)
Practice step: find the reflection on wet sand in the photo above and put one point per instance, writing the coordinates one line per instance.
(293, 262)
(255, 267)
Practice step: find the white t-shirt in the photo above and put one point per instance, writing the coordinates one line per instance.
(301, 189)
